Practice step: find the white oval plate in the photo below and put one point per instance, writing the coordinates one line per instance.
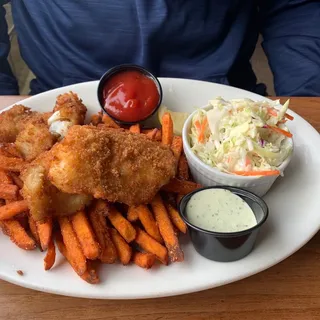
(294, 217)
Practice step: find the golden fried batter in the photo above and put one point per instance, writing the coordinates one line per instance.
(68, 111)
(70, 108)
(15, 119)
(44, 199)
(111, 164)
(34, 139)
(31, 130)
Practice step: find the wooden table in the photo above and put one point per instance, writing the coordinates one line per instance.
(289, 290)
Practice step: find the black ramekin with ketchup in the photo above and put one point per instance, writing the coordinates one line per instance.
(129, 93)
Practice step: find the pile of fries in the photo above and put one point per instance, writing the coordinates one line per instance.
(105, 232)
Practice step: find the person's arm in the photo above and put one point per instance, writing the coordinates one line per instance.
(291, 33)
(8, 83)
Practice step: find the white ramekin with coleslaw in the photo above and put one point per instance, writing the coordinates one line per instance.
(238, 142)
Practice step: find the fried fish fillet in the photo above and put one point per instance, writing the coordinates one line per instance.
(34, 135)
(13, 121)
(68, 111)
(44, 199)
(111, 164)
(34, 139)
(71, 108)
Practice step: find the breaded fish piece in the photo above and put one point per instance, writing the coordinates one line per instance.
(34, 134)
(9, 122)
(71, 108)
(34, 139)
(13, 121)
(44, 199)
(111, 164)
(68, 111)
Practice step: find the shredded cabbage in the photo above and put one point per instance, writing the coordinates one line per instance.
(241, 135)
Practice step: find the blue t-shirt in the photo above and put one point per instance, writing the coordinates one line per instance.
(65, 42)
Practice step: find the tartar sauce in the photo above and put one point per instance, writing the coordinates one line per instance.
(219, 210)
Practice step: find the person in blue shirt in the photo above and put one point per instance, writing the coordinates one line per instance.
(65, 42)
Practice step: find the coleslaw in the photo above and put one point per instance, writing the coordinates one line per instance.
(242, 136)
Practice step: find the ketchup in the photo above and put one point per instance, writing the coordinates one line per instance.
(130, 96)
